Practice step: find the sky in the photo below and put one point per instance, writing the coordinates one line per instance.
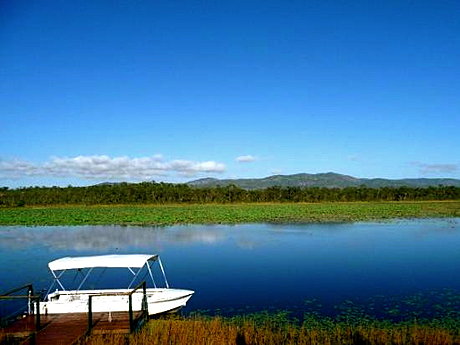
(97, 91)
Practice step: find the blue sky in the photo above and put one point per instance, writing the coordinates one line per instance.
(93, 91)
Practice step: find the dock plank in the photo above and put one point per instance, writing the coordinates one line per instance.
(67, 329)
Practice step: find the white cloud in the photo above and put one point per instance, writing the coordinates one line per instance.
(17, 167)
(436, 168)
(105, 167)
(245, 159)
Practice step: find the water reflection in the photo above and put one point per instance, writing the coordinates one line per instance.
(86, 238)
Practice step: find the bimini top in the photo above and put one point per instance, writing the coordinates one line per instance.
(126, 260)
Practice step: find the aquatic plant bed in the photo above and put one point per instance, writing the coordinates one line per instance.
(226, 213)
(264, 328)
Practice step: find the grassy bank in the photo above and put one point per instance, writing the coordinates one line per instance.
(225, 213)
(277, 330)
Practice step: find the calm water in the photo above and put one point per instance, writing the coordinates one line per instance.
(253, 267)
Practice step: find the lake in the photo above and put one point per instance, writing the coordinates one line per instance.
(390, 269)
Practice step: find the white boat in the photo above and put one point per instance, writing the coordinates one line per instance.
(159, 300)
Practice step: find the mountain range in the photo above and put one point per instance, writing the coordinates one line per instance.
(330, 180)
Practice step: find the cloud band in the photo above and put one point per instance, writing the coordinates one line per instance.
(105, 167)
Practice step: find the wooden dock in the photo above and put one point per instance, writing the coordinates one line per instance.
(70, 328)
(65, 329)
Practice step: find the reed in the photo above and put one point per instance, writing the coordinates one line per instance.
(274, 330)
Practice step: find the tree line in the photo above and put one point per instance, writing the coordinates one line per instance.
(168, 193)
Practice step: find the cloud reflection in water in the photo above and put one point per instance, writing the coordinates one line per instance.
(83, 238)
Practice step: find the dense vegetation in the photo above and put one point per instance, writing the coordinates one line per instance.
(277, 329)
(167, 193)
(225, 213)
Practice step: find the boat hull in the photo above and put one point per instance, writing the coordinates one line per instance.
(158, 300)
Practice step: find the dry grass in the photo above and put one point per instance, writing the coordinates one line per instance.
(216, 330)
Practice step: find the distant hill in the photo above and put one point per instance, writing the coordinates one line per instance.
(330, 180)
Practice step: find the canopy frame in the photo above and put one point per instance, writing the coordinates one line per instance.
(60, 266)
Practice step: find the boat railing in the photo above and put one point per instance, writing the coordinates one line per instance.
(33, 304)
(134, 323)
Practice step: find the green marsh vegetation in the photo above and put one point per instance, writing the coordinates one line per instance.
(225, 213)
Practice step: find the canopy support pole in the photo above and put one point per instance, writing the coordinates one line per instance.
(135, 276)
(84, 279)
(151, 275)
(56, 279)
(163, 271)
